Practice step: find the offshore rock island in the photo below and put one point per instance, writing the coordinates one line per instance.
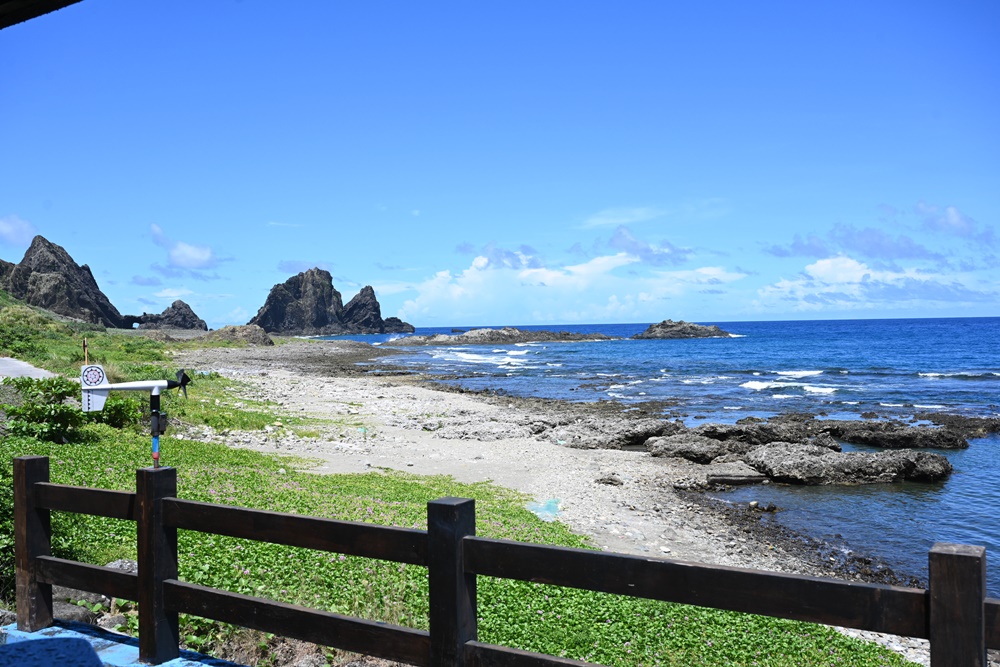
(512, 335)
(681, 329)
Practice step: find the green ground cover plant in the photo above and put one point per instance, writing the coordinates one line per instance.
(576, 624)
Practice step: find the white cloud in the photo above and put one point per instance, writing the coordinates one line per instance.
(173, 293)
(183, 255)
(592, 291)
(843, 283)
(189, 256)
(613, 217)
(15, 231)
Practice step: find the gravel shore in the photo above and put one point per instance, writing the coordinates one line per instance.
(625, 501)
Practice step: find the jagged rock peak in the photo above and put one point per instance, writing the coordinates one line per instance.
(178, 316)
(307, 304)
(48, 277)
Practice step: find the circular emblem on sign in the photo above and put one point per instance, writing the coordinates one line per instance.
(93, 376)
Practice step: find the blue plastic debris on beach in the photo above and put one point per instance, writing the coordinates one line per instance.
(547, 511)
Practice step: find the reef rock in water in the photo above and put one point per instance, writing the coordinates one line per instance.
(681, 329)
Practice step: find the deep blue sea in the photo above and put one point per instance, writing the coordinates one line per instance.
(840, 367)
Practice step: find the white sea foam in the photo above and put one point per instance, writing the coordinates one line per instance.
(616, 386)
(891, 405)
(737, 335)
(757, 385)
(929, 407)
(517, 352)
(731, 407)
(636, 381)
(812, 389)
(785, 396)
(798, 374)
(549, 363)
(850, 402)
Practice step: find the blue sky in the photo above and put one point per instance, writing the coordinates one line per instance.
(515, 162)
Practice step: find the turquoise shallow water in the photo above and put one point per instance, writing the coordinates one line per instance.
(896, 368)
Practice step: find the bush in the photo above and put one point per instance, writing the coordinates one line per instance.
(43, 411)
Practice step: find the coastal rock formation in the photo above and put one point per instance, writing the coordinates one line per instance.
(505, 336)
(396, 325)
(895, 435)
(307, 304)
(799, 428)
(177, 316)
(802, 450)
(811, 464)
(48, 277)
(251, 334)
(681, 329)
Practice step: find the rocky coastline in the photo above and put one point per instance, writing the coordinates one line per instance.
(666, 329)
(607, 470)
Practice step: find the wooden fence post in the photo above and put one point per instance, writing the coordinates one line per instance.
(157, 550)
(452, 591)
(32, 538)
(957, 591)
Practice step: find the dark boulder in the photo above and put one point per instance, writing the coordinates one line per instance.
(396, 325)
(813, 465)
(250, 334)
(594, 432)
(681, 329)
(47, 277)
(895, 435)
(694, 447)
(761, 433)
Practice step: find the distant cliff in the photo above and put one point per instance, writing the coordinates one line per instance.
(307, 304)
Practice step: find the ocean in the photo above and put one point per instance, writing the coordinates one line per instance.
(839, 368)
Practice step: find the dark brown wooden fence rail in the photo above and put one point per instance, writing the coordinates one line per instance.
(954, 614)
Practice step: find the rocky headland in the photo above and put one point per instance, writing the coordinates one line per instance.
(307, 304)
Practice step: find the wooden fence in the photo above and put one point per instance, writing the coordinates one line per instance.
(953, 613)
